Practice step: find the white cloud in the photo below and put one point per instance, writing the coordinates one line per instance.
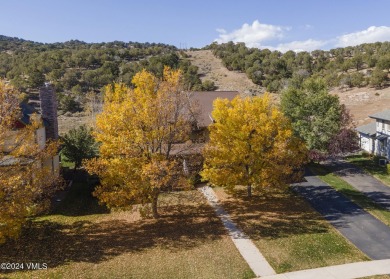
(252, 34)
(256, 34)
(308, 45)
(221, 30)
(370, 35)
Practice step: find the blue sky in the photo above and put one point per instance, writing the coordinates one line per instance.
(277, 24)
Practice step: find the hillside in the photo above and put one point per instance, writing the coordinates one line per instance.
(361, 101)
(212, 68)
(359, 75)
(349, 67)
(364, 101)
(76, 68)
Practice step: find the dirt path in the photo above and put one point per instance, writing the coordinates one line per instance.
(212, 68)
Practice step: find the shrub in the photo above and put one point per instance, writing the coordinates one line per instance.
(208, 85)
(79, 144)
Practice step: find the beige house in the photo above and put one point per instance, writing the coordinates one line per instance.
(375, 136)
(48, 130)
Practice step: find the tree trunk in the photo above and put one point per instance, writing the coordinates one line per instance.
(154, 206)
(249, 190)
(74, 172)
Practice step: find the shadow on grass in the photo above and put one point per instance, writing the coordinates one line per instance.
(337, 167)
(78, 201)
(83, 241)
(274, 215)
(371, 164)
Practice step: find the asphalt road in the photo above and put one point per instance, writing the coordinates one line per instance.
(365, 183)
(366, 232)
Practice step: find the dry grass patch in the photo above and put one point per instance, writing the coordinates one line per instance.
(377, 277)
(288, 231)
(188, 241)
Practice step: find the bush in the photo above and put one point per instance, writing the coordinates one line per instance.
(208, 85)
(378, 78)
(365, 154)
(79, 144)
(69, 104)
(357, 79)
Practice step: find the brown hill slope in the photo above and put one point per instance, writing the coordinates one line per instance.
(360, 101)
(364, 101)
(211, 68)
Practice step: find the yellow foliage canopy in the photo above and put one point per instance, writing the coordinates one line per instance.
(25, 184)
(137, 130)
(251, 144)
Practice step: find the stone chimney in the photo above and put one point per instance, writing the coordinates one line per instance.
(48, 100)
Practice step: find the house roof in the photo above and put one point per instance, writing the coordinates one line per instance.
(368, 129)
(26, 110)
(382, 137)
(383, 115)
(205, 101)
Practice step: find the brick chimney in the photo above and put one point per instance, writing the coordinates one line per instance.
(48, 100)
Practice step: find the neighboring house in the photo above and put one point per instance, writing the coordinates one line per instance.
(375, 137)
(204, 102)
(191, 154)
(49, 130)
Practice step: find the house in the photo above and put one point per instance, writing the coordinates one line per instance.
(375, 137)
(191, 154)
(49, 129)
(204, 102)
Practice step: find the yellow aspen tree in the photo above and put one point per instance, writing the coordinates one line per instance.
(137, 130)
(25, 184)
(251, 144)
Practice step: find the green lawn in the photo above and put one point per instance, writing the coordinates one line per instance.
(82, 239)
(370, 164)
(288, 231)
(350, 192)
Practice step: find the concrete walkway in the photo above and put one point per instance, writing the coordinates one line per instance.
(365, 183)
(245, 246)
(345, 271)
(367, 233)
